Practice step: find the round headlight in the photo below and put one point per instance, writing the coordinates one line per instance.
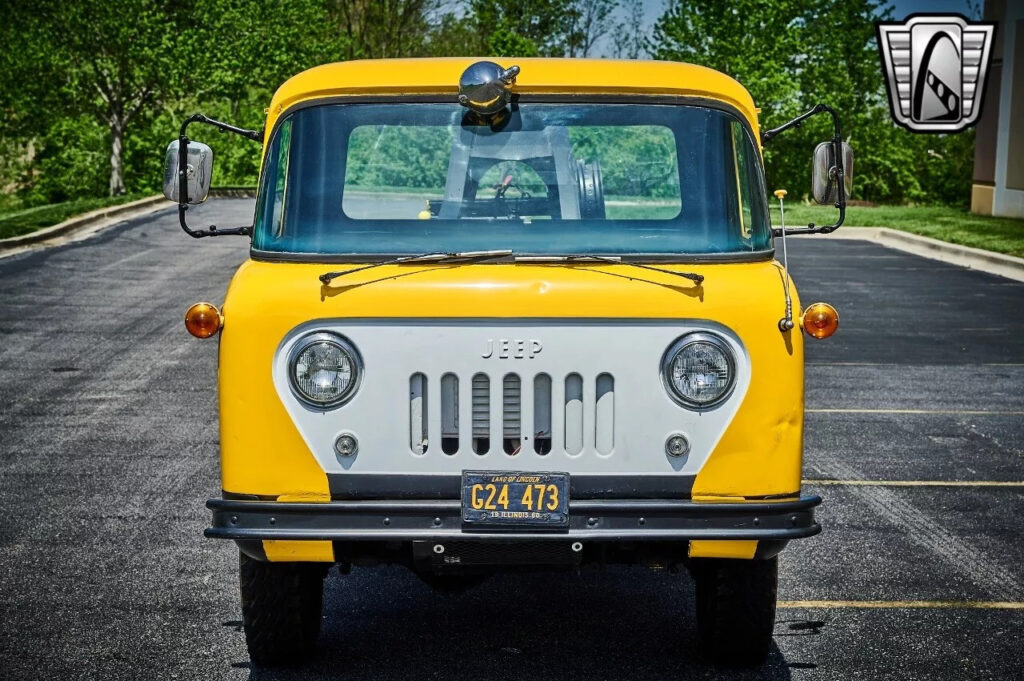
(324, 369)
(699, 370)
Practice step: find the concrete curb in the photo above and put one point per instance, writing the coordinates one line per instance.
(233, 193)
(124, 211)
(93, 221)
(926, 247)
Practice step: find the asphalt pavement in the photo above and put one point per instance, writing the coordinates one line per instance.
(108, 450)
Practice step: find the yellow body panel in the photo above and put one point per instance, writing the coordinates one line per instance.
(299, 551)
(759, 454)
(262, 452)
(712, 548)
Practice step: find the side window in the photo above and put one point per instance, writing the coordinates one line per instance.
(283, 153)
(744, 166)
(274, 187)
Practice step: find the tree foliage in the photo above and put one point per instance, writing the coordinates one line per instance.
(91, 92)
(793, 54)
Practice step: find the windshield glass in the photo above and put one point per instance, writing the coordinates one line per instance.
(546, 179)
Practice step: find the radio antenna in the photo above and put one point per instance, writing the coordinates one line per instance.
(786, 323)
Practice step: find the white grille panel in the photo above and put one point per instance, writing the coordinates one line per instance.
(544, 395)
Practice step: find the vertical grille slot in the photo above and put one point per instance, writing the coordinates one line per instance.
(418, 413)
(511, 414)
(604, 414)
(481, 413)
(542, 413)
(573, 414)
(449, 413)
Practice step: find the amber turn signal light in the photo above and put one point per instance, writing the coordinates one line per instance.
(820, 320)
(203, 320)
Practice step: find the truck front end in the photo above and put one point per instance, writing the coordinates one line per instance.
(534, 329)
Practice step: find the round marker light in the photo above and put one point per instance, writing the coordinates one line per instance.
(202, 320)
(346, 445)
(820, 320)
(677, 446)
(324, 370)
(699, 370)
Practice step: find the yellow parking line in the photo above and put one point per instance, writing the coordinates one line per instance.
(955, 412)
(920, 483)
(978, 605)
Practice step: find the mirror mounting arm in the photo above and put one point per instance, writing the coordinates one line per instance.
(837, 147)
(212, 230)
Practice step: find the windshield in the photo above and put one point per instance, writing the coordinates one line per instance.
(546, 179)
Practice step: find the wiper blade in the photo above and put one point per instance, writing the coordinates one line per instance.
(328, 277)
(695, 278)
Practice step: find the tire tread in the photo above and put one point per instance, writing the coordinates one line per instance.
(736, 609)
(282, 607)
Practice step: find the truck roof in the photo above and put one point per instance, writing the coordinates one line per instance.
(538, 76)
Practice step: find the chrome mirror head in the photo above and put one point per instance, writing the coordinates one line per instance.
(198, 172)
(484, 87)
(824, 187)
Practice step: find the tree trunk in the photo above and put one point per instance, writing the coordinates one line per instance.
(116, 166)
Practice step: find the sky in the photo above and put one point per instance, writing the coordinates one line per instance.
(907, 7)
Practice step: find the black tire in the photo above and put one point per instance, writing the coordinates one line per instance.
(282, 605)
(736, 609)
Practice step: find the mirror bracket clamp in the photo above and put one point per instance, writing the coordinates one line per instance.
(183, 140)
(837, 148)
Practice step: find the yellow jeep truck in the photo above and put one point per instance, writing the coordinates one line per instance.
(512, 316)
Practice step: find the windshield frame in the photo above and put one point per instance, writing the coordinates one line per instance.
(568, 99)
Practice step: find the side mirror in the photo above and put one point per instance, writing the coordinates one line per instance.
(824, 186)
(199, 172)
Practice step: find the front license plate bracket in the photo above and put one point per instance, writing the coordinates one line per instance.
(515, 499)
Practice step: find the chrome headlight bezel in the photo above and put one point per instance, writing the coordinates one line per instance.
(677, 347)
(343, 344)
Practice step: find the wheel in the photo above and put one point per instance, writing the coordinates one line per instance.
(736, 608)
(282, 605)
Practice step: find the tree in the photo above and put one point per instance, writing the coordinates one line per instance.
(630, 39)
(116, 62)
(793, 54)
(378, 29)
(757, 42)
(589, 21)
(542, 24)
(453, 35)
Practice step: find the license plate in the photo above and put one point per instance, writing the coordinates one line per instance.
(515, 498)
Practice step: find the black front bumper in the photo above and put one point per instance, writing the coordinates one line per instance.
(607, 520)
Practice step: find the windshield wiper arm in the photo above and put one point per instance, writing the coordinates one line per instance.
(328, 277)
(695, 278)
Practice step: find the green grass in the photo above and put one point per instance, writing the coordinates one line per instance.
(25, 220)
(1002, 235)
